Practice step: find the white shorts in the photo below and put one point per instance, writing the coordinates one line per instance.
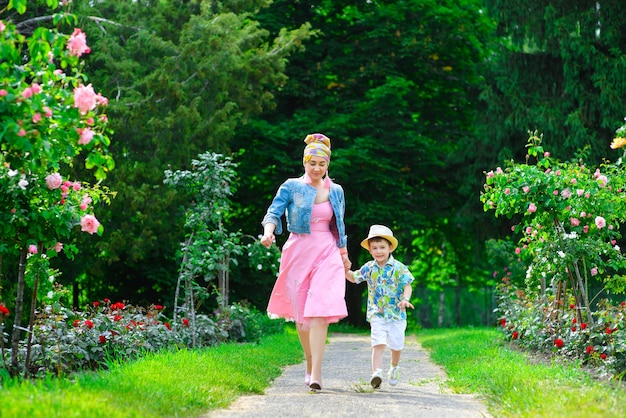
(389, 333)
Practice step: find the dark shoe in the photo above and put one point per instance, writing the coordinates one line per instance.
(315, 386)
(376, 379)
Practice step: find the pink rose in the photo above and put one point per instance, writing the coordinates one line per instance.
(102, 100)
(32, 248)
(574, 221)
(3, 92)
(84, 98)
(86, 135)
(594, 271)
(77, 44)
(602, 180)
(532, 208)
(2, 26)
(54, 181)
(89, 224)
(600, 222)
(526, 189)
(58, 247)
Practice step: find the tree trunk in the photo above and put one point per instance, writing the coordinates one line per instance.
(442, 299)
(19, 304)
(31, 321)
(457, 303)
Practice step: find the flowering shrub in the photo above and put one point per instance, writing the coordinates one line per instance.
(50, 118)
(65, 341)
(568, 216)
(539, 324)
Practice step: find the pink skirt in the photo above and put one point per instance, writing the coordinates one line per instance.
(311, 282)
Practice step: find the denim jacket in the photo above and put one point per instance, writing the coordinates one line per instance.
(295, 198)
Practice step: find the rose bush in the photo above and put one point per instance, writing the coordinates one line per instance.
(66, 341)
(568, 216)
(51, 118)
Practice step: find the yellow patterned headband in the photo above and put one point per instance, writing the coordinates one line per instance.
(317, 145)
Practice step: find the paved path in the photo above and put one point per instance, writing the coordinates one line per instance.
(347, 393)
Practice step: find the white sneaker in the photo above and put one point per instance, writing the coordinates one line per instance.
(376, 379)
(393, 375)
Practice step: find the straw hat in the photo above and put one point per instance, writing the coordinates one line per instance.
(380, 231)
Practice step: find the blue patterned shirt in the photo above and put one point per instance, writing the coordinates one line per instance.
(385, 286)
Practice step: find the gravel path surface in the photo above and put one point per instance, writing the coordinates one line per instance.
(346, 390)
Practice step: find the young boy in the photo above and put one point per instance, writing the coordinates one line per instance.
(389, 291)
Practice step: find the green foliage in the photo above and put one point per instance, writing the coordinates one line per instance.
(209, 248)
(182, 76)
(394, 96)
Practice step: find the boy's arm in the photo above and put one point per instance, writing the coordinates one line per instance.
(406, 297)
(350, 276)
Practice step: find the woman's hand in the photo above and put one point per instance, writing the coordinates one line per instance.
(346, 262)
(267, 240)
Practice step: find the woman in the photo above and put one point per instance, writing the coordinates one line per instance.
(310, 288)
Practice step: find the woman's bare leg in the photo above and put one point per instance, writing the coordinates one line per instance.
(318, 331)
(306, 346)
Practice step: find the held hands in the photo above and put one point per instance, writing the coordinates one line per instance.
(346, 262)
(267, 240)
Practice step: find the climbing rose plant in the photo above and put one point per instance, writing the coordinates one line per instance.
(568, 218)
(51, 119)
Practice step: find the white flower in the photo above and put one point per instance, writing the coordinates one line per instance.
(616, 247)
(51, 279)
(23, 183)
(50, 294)
(529, 271)
(259, 267)
(12, 173)
(561, 254)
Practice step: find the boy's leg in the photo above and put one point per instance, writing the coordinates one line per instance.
(395, 357)
(377, 357)
(396, 344)
(379, 343)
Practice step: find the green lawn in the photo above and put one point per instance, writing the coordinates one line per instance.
(187, 383)
(478, 360)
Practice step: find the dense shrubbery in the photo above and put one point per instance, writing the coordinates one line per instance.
(66, 341)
